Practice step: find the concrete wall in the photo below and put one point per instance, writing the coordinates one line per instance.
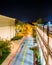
(7, 28)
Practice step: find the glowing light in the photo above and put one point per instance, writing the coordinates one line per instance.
(49, 22)
(29, 35)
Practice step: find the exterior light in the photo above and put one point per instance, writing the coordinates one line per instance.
(49, 22)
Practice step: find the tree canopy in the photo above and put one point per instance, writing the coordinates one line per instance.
(39, 21)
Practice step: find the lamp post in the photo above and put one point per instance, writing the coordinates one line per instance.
(48, 42)
(43, 33)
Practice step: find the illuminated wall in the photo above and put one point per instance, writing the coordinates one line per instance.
(7, 27)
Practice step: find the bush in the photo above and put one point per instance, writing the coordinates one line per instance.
(16, 38)
(4, 50)
(37, 54)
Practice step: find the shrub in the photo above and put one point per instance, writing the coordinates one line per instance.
(4, 50)
(16, 38)
(37, 54)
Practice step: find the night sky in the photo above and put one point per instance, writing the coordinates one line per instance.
(27, 11)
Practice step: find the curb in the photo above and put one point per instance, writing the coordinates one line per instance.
(18, 50)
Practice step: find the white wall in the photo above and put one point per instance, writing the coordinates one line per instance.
(7, 29)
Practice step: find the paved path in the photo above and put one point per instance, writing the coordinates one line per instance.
(15, 48)
(25, 57)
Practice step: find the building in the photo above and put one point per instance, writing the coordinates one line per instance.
(7, 27)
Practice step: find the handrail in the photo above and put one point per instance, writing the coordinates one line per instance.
(43, 52)
(50, 52)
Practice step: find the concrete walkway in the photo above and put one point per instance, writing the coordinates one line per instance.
(25, 57)
(15, 48)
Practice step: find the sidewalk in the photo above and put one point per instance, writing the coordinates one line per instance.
(15, 47)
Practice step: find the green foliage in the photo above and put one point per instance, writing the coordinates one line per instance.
(16, 38)
(4, 50)
(34, 36)
(18, 22)
(39, 21)
(36, 51)
(37, 54)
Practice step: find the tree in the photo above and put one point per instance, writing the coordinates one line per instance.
(39, 21)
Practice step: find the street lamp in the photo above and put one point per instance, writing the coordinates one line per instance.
(49, 22)
(48, 42)
(43, 33)
(48, 31)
